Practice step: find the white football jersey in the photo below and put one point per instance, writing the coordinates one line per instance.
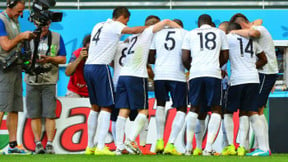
(267, 44)
(242, 56)
(119, 60)
(205, 44)
(104, 39)
(137, 54)
(168, 46)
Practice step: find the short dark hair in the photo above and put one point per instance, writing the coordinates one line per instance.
(179, 22)
(13, 3)
(119, 11)
(237, 16)
(86, 39)
(233, 26)
(213, 24)
(151, 20)
(204, 19)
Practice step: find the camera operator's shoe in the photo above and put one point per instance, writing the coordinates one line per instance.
(90, 151)
(159, 146)
(50, 149)
(197, 151)
(2, 152)
(170, 149)
(104, 151)
(18, 150)
(39, 148)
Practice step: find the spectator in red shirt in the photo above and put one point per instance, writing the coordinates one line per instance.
(77, 86)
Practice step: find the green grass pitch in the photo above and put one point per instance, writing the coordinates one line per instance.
(139, 158)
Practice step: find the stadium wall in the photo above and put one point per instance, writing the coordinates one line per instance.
(71, 129)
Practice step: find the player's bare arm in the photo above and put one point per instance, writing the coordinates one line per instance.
(133, 30)
(248, 33)
(160, 25)
(150, 72)
(186, 58)
(262, 60)
(152, 58)
(223, 57)
(257, 22)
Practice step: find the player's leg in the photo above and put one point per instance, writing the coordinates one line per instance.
(138, 99)
(143, 138)
(179, 98)
(200, 132)
(247, 103)
(121, 104)
(195, 99)
(213, 96)
(94, 111)
(224, 107)
(266, 85)
(257, 126)
(113, 119)
(233, 103)
(99, 79)
(161, 95)
(120, 129)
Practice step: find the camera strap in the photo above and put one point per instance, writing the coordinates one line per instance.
(49, 42)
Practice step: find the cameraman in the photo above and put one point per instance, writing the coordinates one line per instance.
(41, 88)
(77, 86)
(11, 80)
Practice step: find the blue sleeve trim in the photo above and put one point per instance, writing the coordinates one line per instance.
(2, 29)
(62, 50)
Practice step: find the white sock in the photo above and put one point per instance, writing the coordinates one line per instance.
(138, 125)
(258, 128)
(160, 121)
(191, 120)
(113, 129)
(199, 133)
(104, 123)
(224, 134)
(243, 129)
(177, 125)
(120, 128)
(92, 127)
(213, 127)
(266, 130)
(247, 142)
(143, 134)
(229, 127)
